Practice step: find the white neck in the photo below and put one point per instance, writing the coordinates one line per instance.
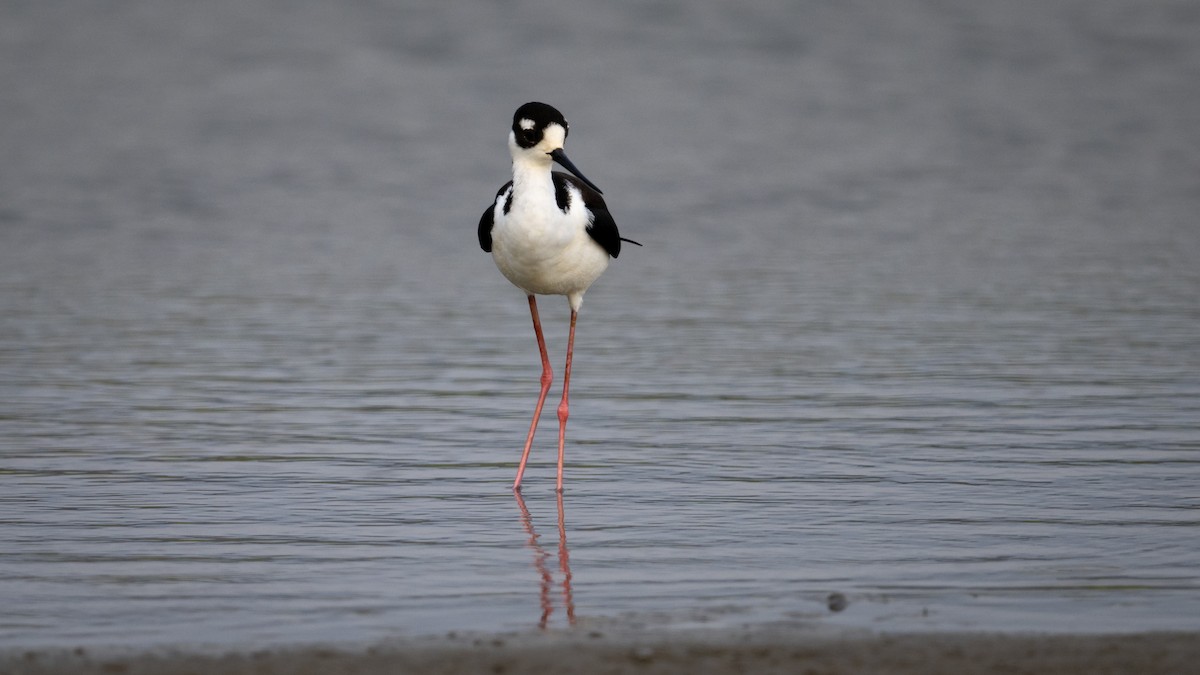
(532, 173)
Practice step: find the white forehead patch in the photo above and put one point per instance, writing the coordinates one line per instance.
(555, 134)
(527, 123)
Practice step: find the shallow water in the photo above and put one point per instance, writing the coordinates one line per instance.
(915, 320)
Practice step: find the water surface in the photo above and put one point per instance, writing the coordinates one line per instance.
(915, 320)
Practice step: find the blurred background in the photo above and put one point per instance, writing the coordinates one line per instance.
(915, 320)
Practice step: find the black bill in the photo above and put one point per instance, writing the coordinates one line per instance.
(561, 157)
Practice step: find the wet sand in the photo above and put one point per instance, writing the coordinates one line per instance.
(757, 651)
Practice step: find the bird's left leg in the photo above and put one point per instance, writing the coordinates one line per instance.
(563, 409)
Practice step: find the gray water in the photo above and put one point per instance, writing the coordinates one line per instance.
(915, 321)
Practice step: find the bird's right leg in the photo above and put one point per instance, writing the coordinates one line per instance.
(547, 378)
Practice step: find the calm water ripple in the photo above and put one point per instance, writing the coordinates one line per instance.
(915, 321)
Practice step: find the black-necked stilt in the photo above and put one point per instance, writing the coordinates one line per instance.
(550, 233)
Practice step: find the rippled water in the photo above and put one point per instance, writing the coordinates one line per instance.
(915, 321)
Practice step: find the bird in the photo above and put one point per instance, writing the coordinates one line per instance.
(549, 233)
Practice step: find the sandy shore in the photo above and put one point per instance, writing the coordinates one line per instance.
(760, 651)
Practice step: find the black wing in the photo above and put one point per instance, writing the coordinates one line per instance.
(603, 228)
(488, 219)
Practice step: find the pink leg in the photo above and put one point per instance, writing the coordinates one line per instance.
(547, 378)
(563, 409)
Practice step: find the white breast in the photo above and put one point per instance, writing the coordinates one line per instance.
(542, 250)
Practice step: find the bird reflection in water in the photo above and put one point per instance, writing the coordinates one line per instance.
(540, 558)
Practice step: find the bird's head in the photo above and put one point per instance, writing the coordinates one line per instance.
(538, 134)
